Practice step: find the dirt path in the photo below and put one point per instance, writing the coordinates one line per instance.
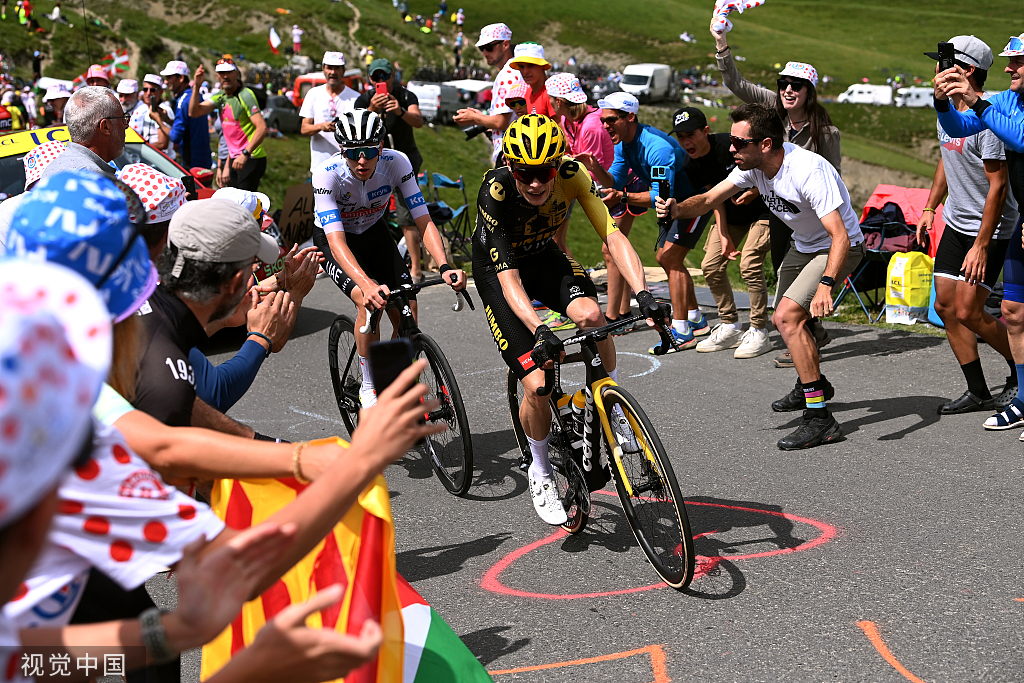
(354, 25)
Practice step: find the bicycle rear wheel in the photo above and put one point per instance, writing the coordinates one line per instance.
(569, 480)
(346, 376)
(450, 452)
(649, 492)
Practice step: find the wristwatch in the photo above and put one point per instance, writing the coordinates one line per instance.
(247, 153)
(828, 281)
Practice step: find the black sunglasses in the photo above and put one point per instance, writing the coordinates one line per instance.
(741, 143)
(610, 120)
(379, 76)
(153, 89)
(126, 118)
(797, 86)
(491, 46)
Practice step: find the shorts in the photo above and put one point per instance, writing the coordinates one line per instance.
(548, 276)
(633, 185)
(376, 253)
(952, 250)
(685, 233)
(1013, 267)
(800, 274)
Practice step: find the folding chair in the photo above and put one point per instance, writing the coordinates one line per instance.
(871, 275)
(458, 230)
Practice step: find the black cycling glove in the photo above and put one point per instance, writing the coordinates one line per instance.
(652, 308)
(546, 346)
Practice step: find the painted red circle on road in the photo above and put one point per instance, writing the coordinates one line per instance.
(121, 551)
(492, 582)
(154, 531)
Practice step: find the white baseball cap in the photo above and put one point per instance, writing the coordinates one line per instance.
(333, 59)
(969, 50)
(493, 33)
(622, 101)
(256, 203)
(154, 79)
(176, 68)
(567, 87)
(128, 86)
(56, 92)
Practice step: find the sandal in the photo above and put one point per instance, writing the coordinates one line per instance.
(1011, 417)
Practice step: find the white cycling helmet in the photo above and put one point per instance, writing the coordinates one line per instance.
(359, 128)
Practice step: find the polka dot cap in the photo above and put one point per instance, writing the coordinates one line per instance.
(567, 87)
(39, 158)
(801, 70)
(55, 347)
(161, 195)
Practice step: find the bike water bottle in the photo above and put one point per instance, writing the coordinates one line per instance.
(579, 400)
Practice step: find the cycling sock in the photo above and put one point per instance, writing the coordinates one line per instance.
(975, 377)
(614, 374)
(814, 395)
(694, 315)
(541, 466)
(681, 326)
(367, 393)
(1019, 367)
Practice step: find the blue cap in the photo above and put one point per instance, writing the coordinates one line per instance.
(80, 220)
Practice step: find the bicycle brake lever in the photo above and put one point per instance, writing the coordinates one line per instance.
(371, 322)
(468, 298)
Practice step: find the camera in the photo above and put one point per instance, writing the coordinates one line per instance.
(472, 131)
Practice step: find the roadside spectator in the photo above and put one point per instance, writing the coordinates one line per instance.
(28, 99)
(367, 54)
(980, 216)
(190, 134)
(128, 94)
(243, 124)
(14, 116)
(97, 75)
(528, 60)
(54, 101)
(97, 125)
(747, 223)
(495, 44)
(322, 105)
(443, 7)
(516, 100)
(153, 117)
(401, 111)
(35, 162)
(297, 39)
(460, 18)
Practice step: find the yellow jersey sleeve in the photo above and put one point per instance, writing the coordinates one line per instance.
(580, 186)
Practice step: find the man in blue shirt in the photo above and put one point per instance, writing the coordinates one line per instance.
(651, 155)
(1003, 114)
(190, 133)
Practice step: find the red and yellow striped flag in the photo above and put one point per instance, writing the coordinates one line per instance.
(359, 554)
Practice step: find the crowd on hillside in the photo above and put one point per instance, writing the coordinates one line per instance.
(113, 422)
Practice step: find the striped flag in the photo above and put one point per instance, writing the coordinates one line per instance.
(115, 63)
(275, 41)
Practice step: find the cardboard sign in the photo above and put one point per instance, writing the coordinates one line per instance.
(296, 222)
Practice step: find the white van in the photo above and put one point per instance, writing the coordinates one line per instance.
(914, 97)
(648, 82)
(864, 93)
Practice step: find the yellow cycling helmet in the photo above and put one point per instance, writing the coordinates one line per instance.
(533, 140)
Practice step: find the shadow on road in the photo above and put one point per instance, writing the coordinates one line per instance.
(488, 644)
(924, 408)
(887, 343)
(427, 563)
(496, 460)
(608, 529)
(311, 321)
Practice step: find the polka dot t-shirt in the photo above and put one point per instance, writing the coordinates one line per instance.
(115, 514)
(507, 79)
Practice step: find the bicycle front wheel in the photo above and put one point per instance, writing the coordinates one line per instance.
(450, 452)
(346, 375)
(648, 490)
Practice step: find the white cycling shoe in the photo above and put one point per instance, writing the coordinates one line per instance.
(545, 499)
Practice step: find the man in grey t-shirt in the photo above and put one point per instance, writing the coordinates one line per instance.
(980, 216)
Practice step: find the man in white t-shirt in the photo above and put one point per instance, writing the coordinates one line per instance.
(807, 193)
(496, 46)
(152, 117)
(322, 105)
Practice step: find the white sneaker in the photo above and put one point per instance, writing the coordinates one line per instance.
(754, 343)
(623, 432)
(545, 499)
(720, 339)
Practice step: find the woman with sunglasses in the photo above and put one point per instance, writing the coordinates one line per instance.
(807, 125)
(351, 193)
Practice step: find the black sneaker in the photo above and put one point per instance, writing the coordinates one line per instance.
(795, 400)
(1008, 393)
(814, 431)
(968, 403)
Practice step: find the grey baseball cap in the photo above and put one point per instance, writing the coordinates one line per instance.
(218, 231)
(969, 50)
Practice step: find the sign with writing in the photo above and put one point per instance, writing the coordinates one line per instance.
(296, 222)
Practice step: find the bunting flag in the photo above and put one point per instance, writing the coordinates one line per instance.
(723, 8)
(275, 41)
(115, 64)
(359, 553)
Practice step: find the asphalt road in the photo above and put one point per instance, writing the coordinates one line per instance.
(904, 539)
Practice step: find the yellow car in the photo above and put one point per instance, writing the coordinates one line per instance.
(15, 146)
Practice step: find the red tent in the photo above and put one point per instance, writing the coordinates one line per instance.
(910, 201)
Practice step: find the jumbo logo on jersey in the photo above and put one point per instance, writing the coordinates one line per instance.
(568, 169)
(497, 191)
(379, 192)
(498, 338)
(780, 205)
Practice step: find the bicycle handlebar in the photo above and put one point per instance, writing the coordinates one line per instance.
(551, 376)
(373, 317)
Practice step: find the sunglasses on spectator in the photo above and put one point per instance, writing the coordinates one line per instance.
(516, 102)
(741, 143)
(126, 118)
(225, 60)
(354, 153)
(527, 174)
(610, 120)
(797, 86)
(490, 46)
(152, 89)
(379, 76)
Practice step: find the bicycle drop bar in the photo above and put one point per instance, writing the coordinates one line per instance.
(373, 317)
(551, 377)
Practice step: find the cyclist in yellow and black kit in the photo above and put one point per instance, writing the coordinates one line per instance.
(515, 260)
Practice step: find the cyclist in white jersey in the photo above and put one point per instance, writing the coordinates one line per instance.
(352, 191)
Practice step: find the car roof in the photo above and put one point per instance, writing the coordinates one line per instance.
(26, 140)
